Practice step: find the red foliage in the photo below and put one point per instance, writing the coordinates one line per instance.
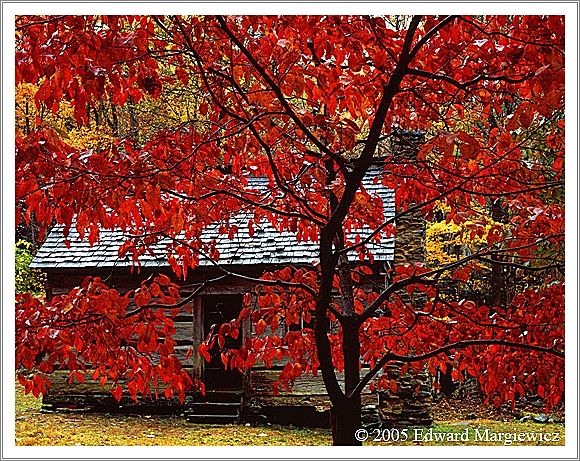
(93, 332)
(302, 101)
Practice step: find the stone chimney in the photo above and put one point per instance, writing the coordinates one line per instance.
(410, 228)
(411, 403)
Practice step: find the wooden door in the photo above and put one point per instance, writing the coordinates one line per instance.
(217, 310)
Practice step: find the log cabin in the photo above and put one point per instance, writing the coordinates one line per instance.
(230, 396)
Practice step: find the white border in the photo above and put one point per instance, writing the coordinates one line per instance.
(568, 9)
(293, 7)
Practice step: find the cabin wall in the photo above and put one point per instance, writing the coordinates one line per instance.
(189, 325)
(308, 395)
(308, 400)
(61, 282)
(91, 393)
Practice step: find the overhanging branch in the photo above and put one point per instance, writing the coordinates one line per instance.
(389, 356)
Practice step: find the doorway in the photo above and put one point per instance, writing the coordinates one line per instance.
(218, 309)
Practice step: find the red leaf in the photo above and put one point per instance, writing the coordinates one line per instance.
(202, 349)
(117, 392)
(260, 327)
(163, 280)
(541, 391)
(182, 75)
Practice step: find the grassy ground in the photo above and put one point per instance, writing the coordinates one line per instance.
(77, 428)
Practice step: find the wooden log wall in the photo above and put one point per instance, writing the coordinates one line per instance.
(260, 401)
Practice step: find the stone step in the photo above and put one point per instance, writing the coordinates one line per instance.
(221, 396)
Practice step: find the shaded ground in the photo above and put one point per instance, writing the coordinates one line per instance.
(34, 427)
(471, 407)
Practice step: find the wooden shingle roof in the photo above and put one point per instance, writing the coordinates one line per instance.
(266, 246)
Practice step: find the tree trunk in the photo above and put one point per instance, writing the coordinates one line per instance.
(345, 413)
(446, 381)
(345, 420)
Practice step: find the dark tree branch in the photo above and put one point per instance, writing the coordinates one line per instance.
(37, 23)
(465, 85)
(274, 87)
(431, 33)
(423, 279)
(520, 266)
(418, 206)
(241, 198)
(558, 47)
(364, 161)
(449, 347)
(181, 303)
(248, 122)
(328, 259)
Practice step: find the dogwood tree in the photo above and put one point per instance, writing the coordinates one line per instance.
(306, 102)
